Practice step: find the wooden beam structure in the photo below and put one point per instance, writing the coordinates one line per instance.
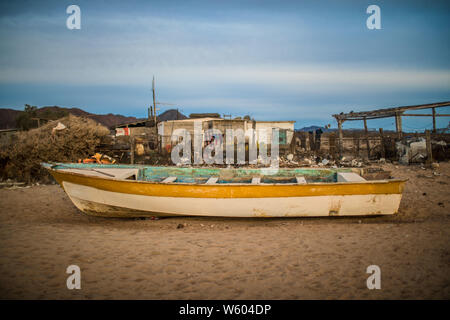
(397, 112)
(387, 112)
(425, 115)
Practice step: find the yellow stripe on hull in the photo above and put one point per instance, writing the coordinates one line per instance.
(185, 190)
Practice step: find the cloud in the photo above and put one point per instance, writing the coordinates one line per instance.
(292, 78)
(301, 60)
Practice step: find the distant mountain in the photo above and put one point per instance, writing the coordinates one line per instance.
(171, 114)
(314, 128)
(110, 120)
(8, 116)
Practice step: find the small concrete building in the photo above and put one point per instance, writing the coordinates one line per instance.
(167, 128)
(286, 130)
(138, 128)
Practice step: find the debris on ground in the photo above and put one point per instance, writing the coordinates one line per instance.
(98, 158)
(58, 127)
(411, 150)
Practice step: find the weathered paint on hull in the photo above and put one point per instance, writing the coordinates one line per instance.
(112, 197)
(114, 204)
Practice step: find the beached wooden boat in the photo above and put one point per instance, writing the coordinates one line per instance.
(139, 191)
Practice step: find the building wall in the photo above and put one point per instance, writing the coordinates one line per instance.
(167, 128)
(133, 131)
(355, 145)
(269, 125)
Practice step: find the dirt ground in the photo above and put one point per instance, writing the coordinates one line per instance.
(42, 233)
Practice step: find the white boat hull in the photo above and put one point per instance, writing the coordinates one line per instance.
(107, 203)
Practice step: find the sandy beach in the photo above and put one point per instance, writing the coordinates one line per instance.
(41, 233)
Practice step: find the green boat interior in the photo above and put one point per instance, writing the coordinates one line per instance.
(206, 175)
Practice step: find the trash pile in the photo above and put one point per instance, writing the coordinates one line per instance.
(98, 158)
(64, 140)
(323, 161)
(411, 150)
(414, 150)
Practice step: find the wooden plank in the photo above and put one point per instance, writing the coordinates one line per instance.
(313, 146)
(383, 149)
(118, 173)
(398, 125)
(426, 115)
(132, 150)
(429, 150)
(12, 183)
(127, 174)
(366, 133)
(301, 180)
(349, 177)
(169, 179)
(256, 180)
(341, 138)
(212, 180)
(434, 119)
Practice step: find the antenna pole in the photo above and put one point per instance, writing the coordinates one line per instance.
(154, 113)
(154, 100)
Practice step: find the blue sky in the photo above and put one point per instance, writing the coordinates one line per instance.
(273, 60)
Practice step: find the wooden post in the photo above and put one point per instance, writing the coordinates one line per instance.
(333, 145)
(154, 100)
(434, 119)
(429, 149)
(313, 145)
(132, 150)
(38, 121)
(293, 144)
(355, 145)
(383, 150)
(307, 145)
(398, 124)
(366, 132)
(341, 138)
(358, 147)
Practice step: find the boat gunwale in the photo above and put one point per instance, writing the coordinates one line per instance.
(384, 181)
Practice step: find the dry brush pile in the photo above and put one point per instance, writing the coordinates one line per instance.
(20, 158)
